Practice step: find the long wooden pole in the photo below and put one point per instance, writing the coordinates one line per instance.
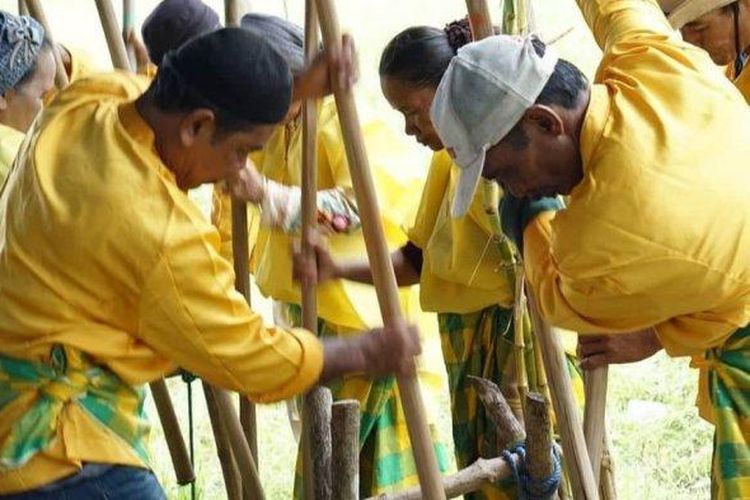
(595, 385)
(568, 419)
(128, 24)
(379, 256)
(35, 9)
(175, 440)
(479, 19)
(22, 9)
(251, 486)
(316, 416)
(345, 449)
(112, 34)
(177, 450)
(241, 252)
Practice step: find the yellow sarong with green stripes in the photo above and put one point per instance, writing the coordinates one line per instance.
(481, 344)
(43, 390)
(385, 460)
(728, 383)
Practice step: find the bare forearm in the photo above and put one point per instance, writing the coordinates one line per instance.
(359, 271)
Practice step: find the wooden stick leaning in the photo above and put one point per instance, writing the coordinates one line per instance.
(241, 253)
(22, 9)
(176, 444)
(569, 425)
(175, 440)
(479, 19)
(35, 9)
(595, 386)
(316, 415)
(379, 256)
(128, 24)
(229, 469)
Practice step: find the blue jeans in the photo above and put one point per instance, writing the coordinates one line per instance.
(99, 482)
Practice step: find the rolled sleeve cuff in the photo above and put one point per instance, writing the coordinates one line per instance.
(308, 373)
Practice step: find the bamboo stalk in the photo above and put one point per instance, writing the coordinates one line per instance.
(178, 451)
(519, 307)
(232, 13)
(128, 24)
(345, 449)
(568, 420)
(607, 485)
(379, 256)
(316, 419)
(595, 385)
(22, 9)
(479, 18)
(112, 34)
(229, 469)
(34, 7)
(241, 253)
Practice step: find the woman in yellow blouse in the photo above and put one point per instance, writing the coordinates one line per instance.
(386, 462)
(465, 267)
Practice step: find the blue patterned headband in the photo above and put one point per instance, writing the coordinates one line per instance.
(21, 39)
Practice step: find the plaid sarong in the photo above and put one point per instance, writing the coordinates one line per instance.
(728, 384)
(481, 344)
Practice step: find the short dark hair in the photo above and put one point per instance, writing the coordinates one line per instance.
(420, 55)
(29, 75)
(233, 72)
(564, 89)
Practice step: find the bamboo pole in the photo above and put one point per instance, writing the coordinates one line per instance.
(568, 420)
(345, 449)
(35, 9)
(226, 417)
(519, 307)
(22, 9)
(229, 469)
(112, 34)
(379, 256)
(232, 13)
(128, 24)
(595, 386)
(175, 440)
(241, 252)
(479, 19)
(177, 450)
(316, 417)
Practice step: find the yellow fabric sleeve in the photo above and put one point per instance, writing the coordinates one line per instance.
(190, 312)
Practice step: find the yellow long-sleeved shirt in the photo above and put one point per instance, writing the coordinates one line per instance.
(461, 272)
(656, 233)
(107, 255)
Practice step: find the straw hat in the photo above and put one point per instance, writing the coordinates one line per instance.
(681, 12)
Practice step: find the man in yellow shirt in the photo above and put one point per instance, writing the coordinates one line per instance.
(721, 28)
(653, 246)
(116, 275)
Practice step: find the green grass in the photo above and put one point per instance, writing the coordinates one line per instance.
(666, 456)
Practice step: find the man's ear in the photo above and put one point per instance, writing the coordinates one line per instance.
(199, 123)
(545, 118)
(4, 100)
